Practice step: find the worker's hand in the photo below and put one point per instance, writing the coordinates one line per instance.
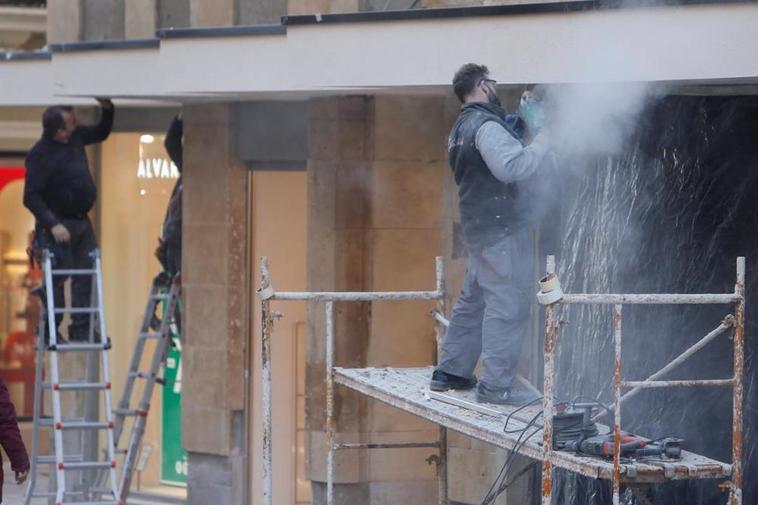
(105, 103)
(160, 251)
(60, 233)
(21, 476)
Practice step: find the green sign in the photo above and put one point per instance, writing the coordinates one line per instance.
(173, 455)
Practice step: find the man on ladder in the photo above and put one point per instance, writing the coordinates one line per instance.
(60, 192)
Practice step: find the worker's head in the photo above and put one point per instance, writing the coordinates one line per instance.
(58, 123)
(472, 83)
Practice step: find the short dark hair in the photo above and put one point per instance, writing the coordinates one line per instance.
(467, 77)
(52, 119)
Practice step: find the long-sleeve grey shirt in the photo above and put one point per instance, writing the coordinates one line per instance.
(506, 158)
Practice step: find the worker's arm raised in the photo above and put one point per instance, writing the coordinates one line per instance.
(506, 158)
(100, 131)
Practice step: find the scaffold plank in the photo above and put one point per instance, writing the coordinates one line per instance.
(408, 389)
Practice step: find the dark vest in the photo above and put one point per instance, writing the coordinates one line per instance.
(490, 209)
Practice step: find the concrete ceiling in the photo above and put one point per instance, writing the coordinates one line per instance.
(695, 49)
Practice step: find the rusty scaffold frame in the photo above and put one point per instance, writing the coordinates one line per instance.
(266, 295)
(735, 321)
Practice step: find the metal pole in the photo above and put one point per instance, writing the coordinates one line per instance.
(617, 405)
(442, 492)
(266, 322)
(727, 323)
(52, 328)
(37, 407)
(739, 364)
(442, 468)
(330, 402)
(652, 299)
(551, 329)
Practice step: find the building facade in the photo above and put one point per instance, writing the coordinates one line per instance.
(315, 135)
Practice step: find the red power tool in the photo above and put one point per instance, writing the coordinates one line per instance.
(632, 446)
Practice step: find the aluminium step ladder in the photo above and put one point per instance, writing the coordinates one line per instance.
(164, 293)
(97, 346)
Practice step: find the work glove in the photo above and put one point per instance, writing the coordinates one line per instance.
(530, 111)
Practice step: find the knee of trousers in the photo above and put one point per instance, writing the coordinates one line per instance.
(510, 306)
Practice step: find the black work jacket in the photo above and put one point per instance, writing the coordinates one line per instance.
(58, 183)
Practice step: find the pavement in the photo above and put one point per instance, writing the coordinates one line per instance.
(13, 494)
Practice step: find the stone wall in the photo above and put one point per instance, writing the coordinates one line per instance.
(376, 173)
(215, 270)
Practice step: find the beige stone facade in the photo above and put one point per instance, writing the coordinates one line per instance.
(374, 205)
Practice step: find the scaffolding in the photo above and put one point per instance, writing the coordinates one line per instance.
(407, 390)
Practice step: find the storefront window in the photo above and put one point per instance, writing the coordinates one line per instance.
(136, 181)
(18, 309)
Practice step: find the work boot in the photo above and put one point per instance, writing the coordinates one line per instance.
(443, 381)
(508, 396)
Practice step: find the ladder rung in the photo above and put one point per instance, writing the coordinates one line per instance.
(149, 335)
(79, 347)
(74, 271)
(76, 386)
(110, 502)
(127, 412)
(77, 310)
(120, 451)
(85, 425)
(86, 465)
(140, 375)
(49, 459)
(164, 296)
(53, 494)
(49, 421)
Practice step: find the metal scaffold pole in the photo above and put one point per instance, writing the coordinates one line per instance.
(617, 379)
(330, 402)
(735, 497)
(551, 335)
(266, 322)
(266, 294)
(442, 488)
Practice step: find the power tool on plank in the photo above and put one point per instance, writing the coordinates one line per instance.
(632, 446)
(575, 431)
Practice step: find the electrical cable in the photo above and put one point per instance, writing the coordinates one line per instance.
(508, 417)
(496, 489)
(489, 498)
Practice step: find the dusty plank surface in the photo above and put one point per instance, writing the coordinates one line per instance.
(408, 390)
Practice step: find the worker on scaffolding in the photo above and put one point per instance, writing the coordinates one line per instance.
(493, 169)
(60, 192)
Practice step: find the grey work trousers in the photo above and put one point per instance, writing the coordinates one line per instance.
(491, 315)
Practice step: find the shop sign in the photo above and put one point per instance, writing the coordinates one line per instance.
(173, 455)
(157, 168)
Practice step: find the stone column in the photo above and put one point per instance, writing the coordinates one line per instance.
(64, 21)
(340, 141)
(376, 173)
(215, 289)
(140, 19)
(213, 13)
